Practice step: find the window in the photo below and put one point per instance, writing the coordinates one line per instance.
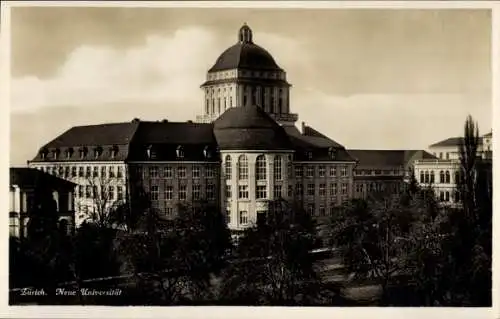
(457, 177)
(261, 192)
(310, 189)
(299, 190)
(169, 191)
(243, 191)
(333, 189)
(103, 171)
(111, 172)
(167, 172)
(322, 171)
(228, 215)
(95, 191)
(310, 209)
(111, 193)
(432, 177)
(210, 172)
(169, 211)
(289, 169)
(210, 191)
(333, 171)
(87, 171)
(153, 171)
(310, 171)
(447, 155)
(260, 168)
(196, 171)
(182, 192)
(343, 172)
(440, 155)
(243, 217)
(95, 171)
(322, 211)
(422, 179)
(457, 196)
(447, 177)
(344, 188)
(277, 191)
(359, 188)
(66, 172)
(181, 172)
(290, 191)
(14, 226)
(278, 174)
(441, 176)
(228, 167)
(242, 167)
(228, 192)
(88, 191)
(447, 195)
(80, 191)
(427, 179)
(73, 171)
(298, 171)
(441, 196)
(322, 190)
(179, 152)
(196, 191)
(119, 172)
(119, 192)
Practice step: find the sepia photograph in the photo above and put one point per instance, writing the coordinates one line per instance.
(250, 156)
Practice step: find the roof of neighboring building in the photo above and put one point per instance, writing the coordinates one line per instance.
(452, 141)
(490, 134)
(25, 177)
(249, 128)
(387, 158)
(245, 55)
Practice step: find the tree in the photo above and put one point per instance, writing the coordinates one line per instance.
(273, 265)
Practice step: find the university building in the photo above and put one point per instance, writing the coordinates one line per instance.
(243, 151)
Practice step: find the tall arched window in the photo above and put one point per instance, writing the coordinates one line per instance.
(447, 196)
(242, 167)
(228, 169)
(260, 168)
(457, 177)
(278, 171)
(447, 177)
(427, 180)
(422, 177)
(432, 177)
(441, 177)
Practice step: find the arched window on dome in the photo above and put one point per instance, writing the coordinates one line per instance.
(227, 167)
(260, 168)
(242, 167)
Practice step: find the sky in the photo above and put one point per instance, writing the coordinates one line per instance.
(372, 78)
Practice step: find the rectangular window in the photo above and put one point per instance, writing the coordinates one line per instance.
(344, 188)
(333, 189)
(344, 171)
(298, 171)
(278, 176)
(103, 171)
(73, 171)
(80, 191)
(310, 209)
(196, 191)
(310, 189)
(228, 215)
(119, 172)
(182, 192)
(261, 192)
(95, 191)
(95, 171)
(111, 172)
(299, 190)
(243, 217)
(167, 172)
(210, 172)
(119, 191)
(322, 171)
(181, 172)
(87, 171)
(332, 209)
(88, 191)
(196, 171)
(322, 211)
(310, 171)
(228, 192)
(278, 191)
(290, 191)
(153, 172)
(66, 172)
(111, 193)
(154, 192)
(210, 191)
(169, 212)
(322, 190)
(243, 191)
(169, 192)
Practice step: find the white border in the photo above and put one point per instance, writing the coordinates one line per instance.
(246, 312)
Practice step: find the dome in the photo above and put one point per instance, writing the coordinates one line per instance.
(245, 55)
(249, 128)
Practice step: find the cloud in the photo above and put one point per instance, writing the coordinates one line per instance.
(165, 70)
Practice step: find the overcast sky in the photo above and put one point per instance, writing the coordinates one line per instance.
(378, 79)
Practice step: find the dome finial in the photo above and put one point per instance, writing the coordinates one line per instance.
(245, 34)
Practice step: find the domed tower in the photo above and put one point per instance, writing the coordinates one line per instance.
(246, 74)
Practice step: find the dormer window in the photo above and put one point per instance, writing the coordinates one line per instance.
(83, 152)
(43, 154)
(97, 152)
(206, 152)
(55, 153)
(113, 151)
(309, 154)
(332, 153)
(148, 151)
(69, 153)
(179, 152)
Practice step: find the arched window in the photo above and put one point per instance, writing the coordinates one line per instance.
(441, 177)
(278, 171)
(207, 106)
(422, 180)
(227, 167)
(427, 180)
(432, 177)
(447, 177)
(260, 168)
(457, 177)
(447, 196)
(242, 167)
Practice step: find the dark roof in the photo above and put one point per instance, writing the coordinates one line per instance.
(245, 56)
(452, 141)
(249, 128)
(29, 178)
(387, 158)
(490, 134)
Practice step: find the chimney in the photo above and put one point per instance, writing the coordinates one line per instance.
(136, 120)
(164, 121)
(303, 127)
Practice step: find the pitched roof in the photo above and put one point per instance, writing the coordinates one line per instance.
(452, 141)
(174, 133)
(249, 128)
(387, 158)
(29, 178)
